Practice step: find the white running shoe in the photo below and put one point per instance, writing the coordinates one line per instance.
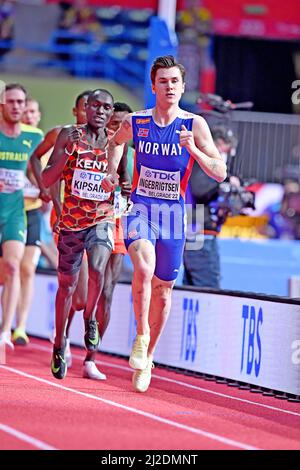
(90, 371)
(68, 354)
(138, 357)
(5, 338)
(141, 378)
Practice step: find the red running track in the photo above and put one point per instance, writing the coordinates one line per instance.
(178, 411)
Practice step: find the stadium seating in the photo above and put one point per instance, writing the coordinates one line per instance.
(121, 57)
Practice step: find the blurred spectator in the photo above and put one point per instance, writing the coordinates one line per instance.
(284, 216)
(79, 18)
(6, 24)
(81, 22)
(194, 27)
(193, 21)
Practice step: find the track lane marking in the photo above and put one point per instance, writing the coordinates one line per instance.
(201, 432)
(183, 384)
(26, 438)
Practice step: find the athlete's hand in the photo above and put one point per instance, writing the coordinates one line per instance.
(56, 226)
(126, 188)
(73, 138)
(186, 139)
(45, 195)
(109, 183)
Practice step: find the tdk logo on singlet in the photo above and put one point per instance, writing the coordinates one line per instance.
(91, 176)
(156, 148)
(160, 175)
(252, 345)
(189, 329)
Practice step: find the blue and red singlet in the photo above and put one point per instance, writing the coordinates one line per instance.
(161, 172)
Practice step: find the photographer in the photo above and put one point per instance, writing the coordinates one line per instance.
(202, 266)
(284, 215)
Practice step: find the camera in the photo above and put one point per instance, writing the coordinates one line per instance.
(231, 200)
(235, 198)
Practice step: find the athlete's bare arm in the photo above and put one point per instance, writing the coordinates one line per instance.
(30, 175)
(122, 169)
(55, 191)
(40, 151)
(115, 152)
(201, 147)
(63, 148)
(55, 196)
(47, 143)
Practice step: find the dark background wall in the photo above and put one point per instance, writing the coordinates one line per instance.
(258, 70)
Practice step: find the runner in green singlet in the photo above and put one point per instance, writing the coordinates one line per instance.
(17, 142)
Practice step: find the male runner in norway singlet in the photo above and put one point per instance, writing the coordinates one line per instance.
(167, 141)
(86, 221)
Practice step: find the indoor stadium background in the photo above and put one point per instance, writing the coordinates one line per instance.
(246, 334)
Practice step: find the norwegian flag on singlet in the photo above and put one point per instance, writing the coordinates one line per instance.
(143, 132)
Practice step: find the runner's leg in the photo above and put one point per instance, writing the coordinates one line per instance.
(12, 254)
(98, 257)
(112, 273)
(142, 254)
(159, 310)
(28, 267)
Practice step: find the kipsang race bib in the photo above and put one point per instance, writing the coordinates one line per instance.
(11, 180)
(87, 185)
(159, 183)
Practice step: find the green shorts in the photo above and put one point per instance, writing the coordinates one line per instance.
(13, 225)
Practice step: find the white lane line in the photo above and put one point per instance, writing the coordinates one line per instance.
(215, 437)
(26, 438)
(183, 384)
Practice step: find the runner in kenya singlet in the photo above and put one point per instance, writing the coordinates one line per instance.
(85, 204)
